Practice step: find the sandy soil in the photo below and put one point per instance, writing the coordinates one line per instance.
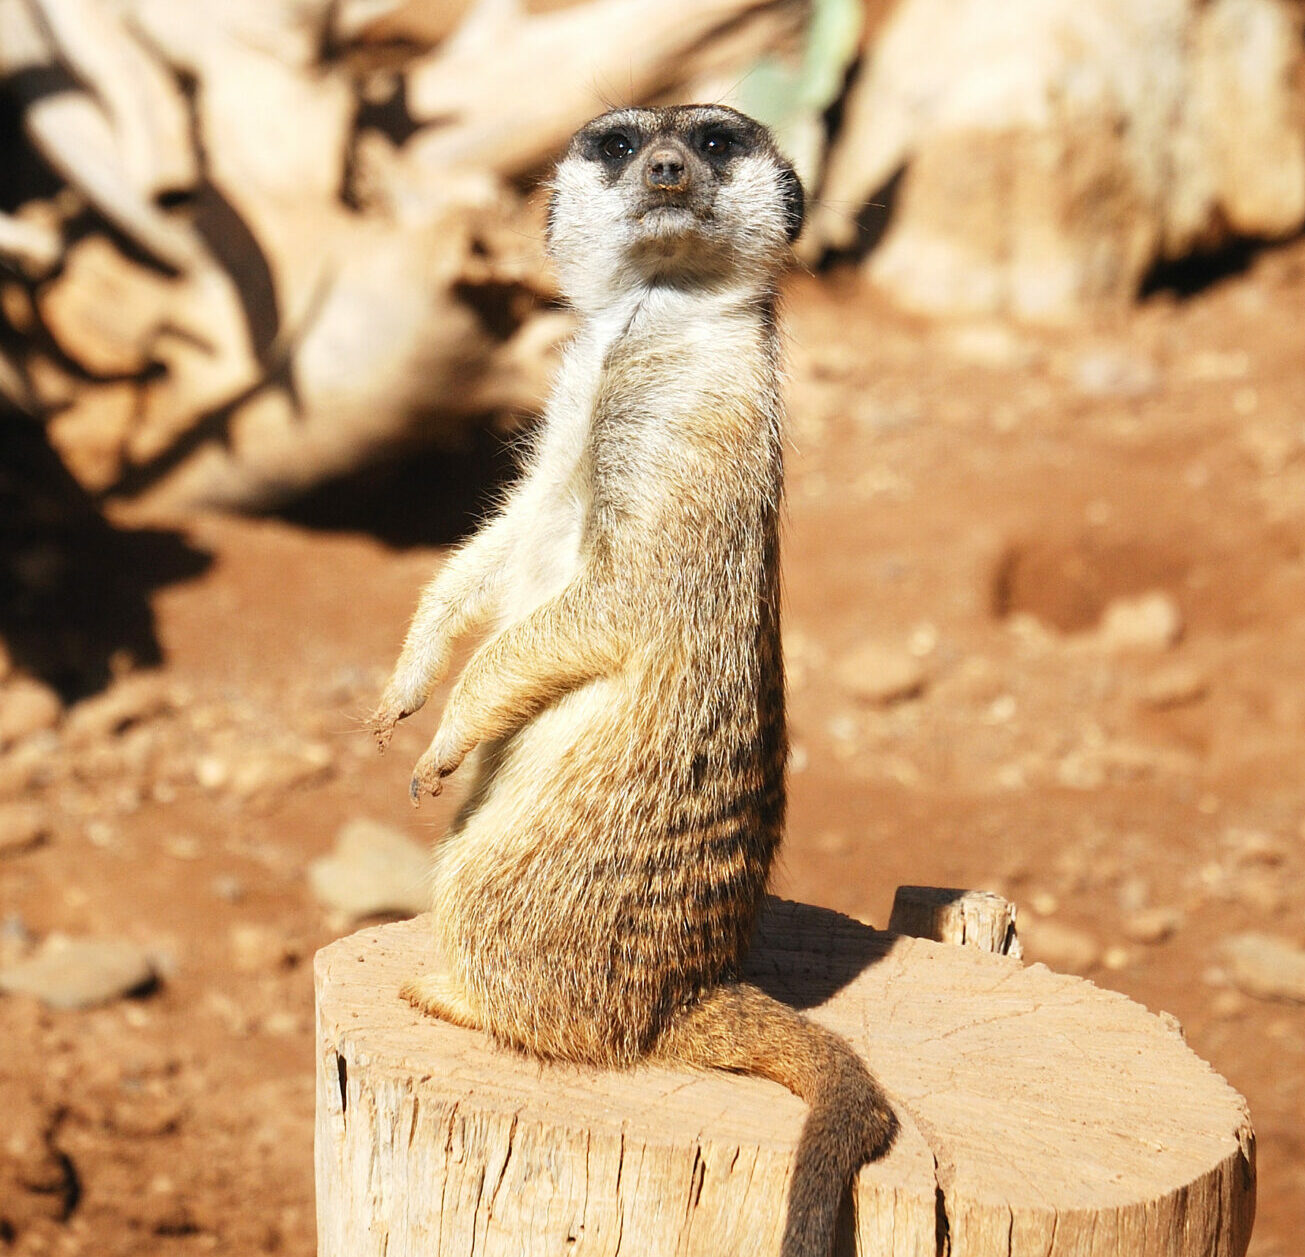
(972, 499)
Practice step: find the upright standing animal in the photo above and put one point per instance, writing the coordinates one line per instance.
(598, 890)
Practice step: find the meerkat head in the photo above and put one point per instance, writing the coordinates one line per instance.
(693, 194)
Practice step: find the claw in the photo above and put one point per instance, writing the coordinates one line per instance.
(416, 786)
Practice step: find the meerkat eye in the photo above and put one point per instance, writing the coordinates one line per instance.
(717, 143)
(616, 145)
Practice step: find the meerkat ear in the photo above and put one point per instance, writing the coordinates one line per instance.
(795, 201)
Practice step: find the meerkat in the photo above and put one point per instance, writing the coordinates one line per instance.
(596, 894)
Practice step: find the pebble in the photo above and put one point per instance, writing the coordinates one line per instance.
(22, 827)
(1150, 621)
(15, 941)
(1266, 966)
(26, 707)
(1152, 925)
(992, 345)
(1059, 946)
(1253, 846)
(881, 675)
(73, 973)
(374, 869)
(229, 887)
(1175, 686)
(274, 771)
(1114, 373)
(256, 948)
(131, 701)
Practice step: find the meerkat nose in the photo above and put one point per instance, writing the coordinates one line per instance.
(665, 170)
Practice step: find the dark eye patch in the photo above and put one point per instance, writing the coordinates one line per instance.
(719, 143)
(612, 147)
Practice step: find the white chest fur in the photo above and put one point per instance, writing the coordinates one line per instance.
(556, 495)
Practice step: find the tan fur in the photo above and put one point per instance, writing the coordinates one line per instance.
(598, 890)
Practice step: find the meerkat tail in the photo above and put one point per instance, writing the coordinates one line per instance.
(740, 1028)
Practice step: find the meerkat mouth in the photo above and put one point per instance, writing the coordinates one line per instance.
(670, 218)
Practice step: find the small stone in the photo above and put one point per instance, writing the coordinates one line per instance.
(1175, 686)
(182, 847)
(258, 948)
(280, 1023)
(211, 772)
(26, 707)
(132, 701)
(1260, 889)
(1266, 966)
(22, 827)
(1059, 946)
(374, 869)
(988, 344)
(15, 941)
(1254, 846)
(275, 771)
(1117, 958)
(1044, 903)
(229, 887)
(881, 675)
(1151, 621)
(73, 973)
(1152, 925)
(1227, 1004)
(1114, 373)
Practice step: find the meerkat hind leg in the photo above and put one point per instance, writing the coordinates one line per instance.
(438, 995)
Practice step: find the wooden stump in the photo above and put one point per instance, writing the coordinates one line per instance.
(968, 918)
(1040, 1116)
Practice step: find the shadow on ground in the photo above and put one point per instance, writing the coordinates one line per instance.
(74, 589)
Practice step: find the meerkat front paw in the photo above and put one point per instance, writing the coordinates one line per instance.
(382, 721)
(441, 759)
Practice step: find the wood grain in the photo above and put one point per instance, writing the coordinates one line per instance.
(1041, 1117)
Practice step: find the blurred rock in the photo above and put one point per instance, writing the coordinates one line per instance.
(1253, 846)
(374, 869)
(259, 948)
(273, 771)
(130, 701)
(22, 827)
(26, 707)
(1050, 152)
(988, 344)
(73, 973)
(880, 674)
(1114, 373)
(1175, 686)
(1150, 621)
(1266, 966)
(1152, 925)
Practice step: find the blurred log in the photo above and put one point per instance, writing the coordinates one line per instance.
(510, 87)
(72, 133)
(105, 311)
(1050, 152)
(150, 120)
(30, 247)
(417, 21)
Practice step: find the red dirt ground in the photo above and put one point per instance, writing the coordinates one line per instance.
(975, 494)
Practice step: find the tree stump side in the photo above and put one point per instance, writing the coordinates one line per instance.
(1041, 1117)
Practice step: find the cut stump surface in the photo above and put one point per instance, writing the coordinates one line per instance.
(1040, 1117)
